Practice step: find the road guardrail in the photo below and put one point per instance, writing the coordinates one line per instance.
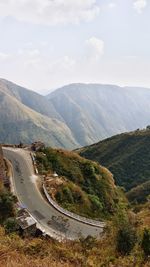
(71, 214)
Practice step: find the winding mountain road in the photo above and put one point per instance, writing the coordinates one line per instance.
(50, 220)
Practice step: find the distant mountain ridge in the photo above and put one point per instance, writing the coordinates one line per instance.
(72, 116)
(30, 99)
(94, 112)
(20, 121)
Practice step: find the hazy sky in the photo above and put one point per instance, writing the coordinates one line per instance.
(45, 44)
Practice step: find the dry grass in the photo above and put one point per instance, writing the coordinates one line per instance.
(143, 216)
(38, 252)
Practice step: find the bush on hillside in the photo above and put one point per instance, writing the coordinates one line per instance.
(7, 201)
(11, 225)
(146, 242)
(126, 239)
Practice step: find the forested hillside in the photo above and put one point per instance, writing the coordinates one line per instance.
(127, 156)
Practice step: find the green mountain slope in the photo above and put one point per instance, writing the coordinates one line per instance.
(94, 112)
(126, 155)
(140, 193)
(20, 123)
(85, 187)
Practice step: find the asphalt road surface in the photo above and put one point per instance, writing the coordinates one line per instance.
(51, 221)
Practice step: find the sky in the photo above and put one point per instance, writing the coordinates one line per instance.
(45, 44)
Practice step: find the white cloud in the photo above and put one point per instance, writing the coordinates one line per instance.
(50, 12)
(59, 65)
(4, 56)
(95, 47)
(111, 5)
(29, 52)
(34, 52)
(139, 5)
(30, 57)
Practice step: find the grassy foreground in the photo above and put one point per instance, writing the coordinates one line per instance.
(39, 252)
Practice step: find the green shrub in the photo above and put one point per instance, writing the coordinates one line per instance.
(88, 243)
(59, 196)
(7, 201)
(68, 194)
(11, 225)
(89, 170)
(146, 242)
(126, 239)
(96, 202)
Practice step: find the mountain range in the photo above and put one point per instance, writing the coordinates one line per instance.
(94, 112)
(27, 116)
(72, 116)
